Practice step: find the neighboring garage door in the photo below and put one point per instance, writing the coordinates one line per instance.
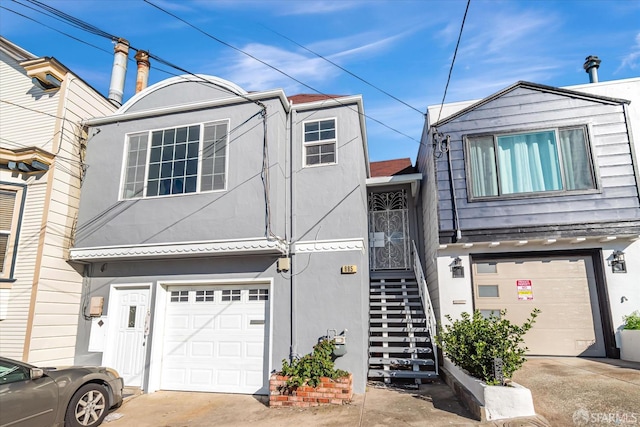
(564, 289)
(215, 339)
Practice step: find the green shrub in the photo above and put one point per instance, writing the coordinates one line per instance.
(473, 342)
(309, 368)
(632, 321)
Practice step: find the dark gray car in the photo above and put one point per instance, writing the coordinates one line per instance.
(55, 397)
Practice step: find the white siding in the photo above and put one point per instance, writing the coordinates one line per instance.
(28, 113)
(58, 302)
(51, 121)
(13, 328)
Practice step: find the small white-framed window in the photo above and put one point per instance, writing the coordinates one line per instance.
(320, 142)
(258, 294)
(205, 296)
(177, 160)
(231, 295)
(179, 296)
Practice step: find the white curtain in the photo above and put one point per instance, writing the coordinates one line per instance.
(483, 167)
(529, 163)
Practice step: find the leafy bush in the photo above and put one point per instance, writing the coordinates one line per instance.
(632, 321)
(473, 342)
(309, 368)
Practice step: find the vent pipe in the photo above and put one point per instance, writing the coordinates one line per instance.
(591, 65)
(119, 71)
(142, 78)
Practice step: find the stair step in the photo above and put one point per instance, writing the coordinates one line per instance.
(415, 330)
(407, 350)
(380, 373)
(395, 304)
(394, 296)
(400, 339)
(401, 311)
(415, 320)
(394, 285)
(400, 361)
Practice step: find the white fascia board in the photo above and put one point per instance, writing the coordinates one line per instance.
(120, 117)
(180, 250)
(412, 178)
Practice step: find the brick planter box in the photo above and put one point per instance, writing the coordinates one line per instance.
(328, 392)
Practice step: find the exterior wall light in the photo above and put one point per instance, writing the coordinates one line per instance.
(617, 263)
(457, 270)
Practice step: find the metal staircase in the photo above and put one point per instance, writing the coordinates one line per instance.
(401, 326)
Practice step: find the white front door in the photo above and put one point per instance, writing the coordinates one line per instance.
(129, 322)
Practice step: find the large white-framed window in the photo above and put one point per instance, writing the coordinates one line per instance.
(11, 202)
(320, 142)
(177, 160)
(535, 162)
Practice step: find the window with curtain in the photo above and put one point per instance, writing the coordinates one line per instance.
(181, 160)
(534, 162)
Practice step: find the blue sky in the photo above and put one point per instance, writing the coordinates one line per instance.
(402, 47)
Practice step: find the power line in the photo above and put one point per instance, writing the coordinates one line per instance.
(464, 18)
(78, 23)
(274, 68)
(54, 29)
(345, 70)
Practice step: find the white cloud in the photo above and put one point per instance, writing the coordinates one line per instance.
(253, 75)
(632, 59)
(317, 7)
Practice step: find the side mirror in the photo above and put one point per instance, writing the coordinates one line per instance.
(36, 373)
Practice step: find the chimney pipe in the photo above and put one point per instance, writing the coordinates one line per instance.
(591, 65)
(119, 71)
(142, 77)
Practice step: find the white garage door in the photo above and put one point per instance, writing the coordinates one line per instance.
(563, 288)
(214, 339)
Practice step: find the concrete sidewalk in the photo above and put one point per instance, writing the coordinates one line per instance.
(574, 391)
(431, 405)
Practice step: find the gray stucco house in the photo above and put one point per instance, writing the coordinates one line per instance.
(222, 231)
(530, 199)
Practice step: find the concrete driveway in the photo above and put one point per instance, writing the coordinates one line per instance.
(594, 391)
(431, 405)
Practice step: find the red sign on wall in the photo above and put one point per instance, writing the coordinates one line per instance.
(525, 290)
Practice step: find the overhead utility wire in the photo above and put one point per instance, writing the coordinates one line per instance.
(346, 71)
(96, 31)
(464, 18)
(54, 29)
(74, 21)
(273, 68)
(104, 34)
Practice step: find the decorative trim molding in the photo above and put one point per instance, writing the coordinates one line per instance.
(337, 245)
(180, 250)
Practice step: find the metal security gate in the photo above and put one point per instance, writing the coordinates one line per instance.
(389, 230)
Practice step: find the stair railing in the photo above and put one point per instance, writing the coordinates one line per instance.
(426, 300)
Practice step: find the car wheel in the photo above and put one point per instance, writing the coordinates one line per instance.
(88, 406)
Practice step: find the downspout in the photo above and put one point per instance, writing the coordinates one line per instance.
(293, 349)
(452, 188)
